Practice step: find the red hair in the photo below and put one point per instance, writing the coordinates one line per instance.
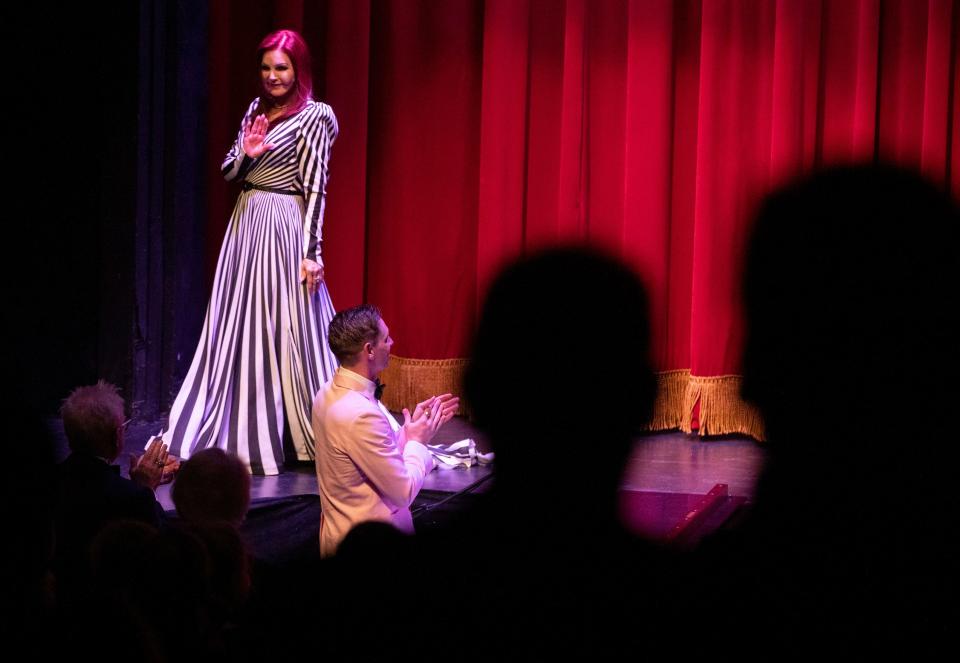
(296, 49)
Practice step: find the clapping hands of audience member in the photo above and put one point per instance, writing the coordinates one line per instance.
(155, 466)
(170, 468)
(428, 416)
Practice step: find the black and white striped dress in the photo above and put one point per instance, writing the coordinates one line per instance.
(263, 350)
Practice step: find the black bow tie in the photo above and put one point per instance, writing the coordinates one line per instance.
(378, 389)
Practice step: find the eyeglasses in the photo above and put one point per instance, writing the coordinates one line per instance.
(126, 423)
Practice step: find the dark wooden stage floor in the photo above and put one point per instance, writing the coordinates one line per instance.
(668, 471)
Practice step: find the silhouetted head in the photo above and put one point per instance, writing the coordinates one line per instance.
(368, 543)
(560, 360)
(851, 319)
(212, 486)
(851, 353)
(117, 553)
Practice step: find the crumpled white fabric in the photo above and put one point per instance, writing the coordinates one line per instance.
(459, 454)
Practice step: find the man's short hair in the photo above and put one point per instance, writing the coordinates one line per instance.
(212, 486)
(350, 329)
(91, 416)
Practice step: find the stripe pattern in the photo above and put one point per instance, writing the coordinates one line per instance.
(263, 350)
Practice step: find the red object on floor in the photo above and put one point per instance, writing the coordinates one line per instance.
(677, 518)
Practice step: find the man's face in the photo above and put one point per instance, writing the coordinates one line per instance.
(381, 349)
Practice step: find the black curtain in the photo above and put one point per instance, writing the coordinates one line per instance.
(168, 242)
(103, 267)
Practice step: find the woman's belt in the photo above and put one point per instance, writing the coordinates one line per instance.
(286, 192)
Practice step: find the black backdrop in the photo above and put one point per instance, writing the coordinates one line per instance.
(105, 201)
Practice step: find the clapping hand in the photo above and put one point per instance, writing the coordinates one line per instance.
(428, 416)
(448, 404)
(154, 465)
(170, 469)
(254, 134)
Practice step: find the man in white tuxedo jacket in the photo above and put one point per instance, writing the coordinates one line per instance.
(368, 466)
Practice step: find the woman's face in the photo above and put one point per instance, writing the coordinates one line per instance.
(276, 74)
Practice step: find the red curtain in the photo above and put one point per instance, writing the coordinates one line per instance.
(473, 131)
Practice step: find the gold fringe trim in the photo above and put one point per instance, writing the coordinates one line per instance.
(721, 409)
(410, 381)
(691, 395)
(668, 409)
(722, 412)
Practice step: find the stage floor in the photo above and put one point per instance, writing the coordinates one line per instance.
(664, 462)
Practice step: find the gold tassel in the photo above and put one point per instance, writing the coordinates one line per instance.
(410, 381)
(691, 394)
(722, 411)
(668, 408)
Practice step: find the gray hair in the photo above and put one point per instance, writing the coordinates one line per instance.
(91, 416)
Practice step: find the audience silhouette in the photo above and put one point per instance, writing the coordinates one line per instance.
(212, 486)
(851, 357)
(560, 380)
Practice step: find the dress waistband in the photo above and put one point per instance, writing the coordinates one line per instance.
(286, 192)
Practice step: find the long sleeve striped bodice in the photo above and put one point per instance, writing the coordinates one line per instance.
(298, 162)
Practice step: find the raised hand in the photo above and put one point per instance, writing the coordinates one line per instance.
(254, 134)
(448, 404)
(170, 469)
(148, 469)
(427, 419)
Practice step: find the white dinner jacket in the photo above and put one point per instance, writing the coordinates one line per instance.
(362, 471)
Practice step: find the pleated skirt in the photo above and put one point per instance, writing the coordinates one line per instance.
(263, 351)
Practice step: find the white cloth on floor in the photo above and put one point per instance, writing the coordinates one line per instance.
(459, 454)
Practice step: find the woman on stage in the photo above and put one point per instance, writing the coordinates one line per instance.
(263, 350)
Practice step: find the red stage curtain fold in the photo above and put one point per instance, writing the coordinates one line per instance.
(472, 132)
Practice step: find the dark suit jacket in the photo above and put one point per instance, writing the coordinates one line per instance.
(91, 494)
